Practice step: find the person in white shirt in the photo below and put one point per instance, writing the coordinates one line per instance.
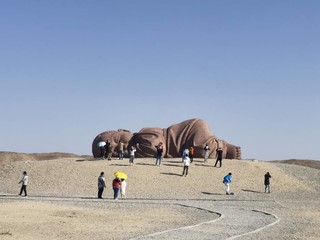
(24, 183)
(185, 152)
(123, 188)
(132, 151)
(186, 163)
(101, 145)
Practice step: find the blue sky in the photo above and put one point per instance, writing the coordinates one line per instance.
(70, 70)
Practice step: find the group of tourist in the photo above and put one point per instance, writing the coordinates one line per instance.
(106, 150)
(119, 186)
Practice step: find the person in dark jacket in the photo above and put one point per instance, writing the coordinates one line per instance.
(267, 177)
(219, 157)
(159, 148)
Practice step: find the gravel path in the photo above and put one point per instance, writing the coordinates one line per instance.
(224, 219)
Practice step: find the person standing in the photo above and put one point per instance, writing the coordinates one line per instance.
(116, 184)
(159, 153)
(131, 153)
(219, 157)
(24, 183)
(206, 152)
(186, 163)
(120, 150)
(267, 177)
(107, 149)
(101, 184)
(101, 145)
(191, 153)
(110, 152)
(123, 188)
(226, 181)
(185, 152)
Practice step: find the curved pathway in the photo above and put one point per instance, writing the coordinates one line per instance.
(234, 222)
(237, 219)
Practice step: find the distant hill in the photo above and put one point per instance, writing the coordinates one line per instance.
(13, 156)
(306, 163)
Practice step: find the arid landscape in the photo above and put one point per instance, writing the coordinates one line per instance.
(161, 204)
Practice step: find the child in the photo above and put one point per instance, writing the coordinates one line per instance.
(24, 182)
(123, 188)
(186, 163)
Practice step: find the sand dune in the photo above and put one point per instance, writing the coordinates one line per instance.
(69, 184)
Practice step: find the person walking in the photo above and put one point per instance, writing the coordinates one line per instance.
(186, 163)
(226, 181)
(24, 183)
(219, 157)
(116, 184)
(191, 153)
(159, 154)
(132, 150)
(121, 150)
(101, 184)
(123, 188)
(267, 177)
(206, 153)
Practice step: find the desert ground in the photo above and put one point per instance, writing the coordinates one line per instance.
(160, 204)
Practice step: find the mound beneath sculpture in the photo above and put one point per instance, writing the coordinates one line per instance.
(193, 132)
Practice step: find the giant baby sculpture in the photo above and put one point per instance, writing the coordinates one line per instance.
(193, 132)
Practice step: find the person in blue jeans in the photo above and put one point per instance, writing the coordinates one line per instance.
(159, 153)
(116, 185)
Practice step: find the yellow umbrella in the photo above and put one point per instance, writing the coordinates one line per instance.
(121, 175)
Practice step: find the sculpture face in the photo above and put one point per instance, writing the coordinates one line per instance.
(193, 132)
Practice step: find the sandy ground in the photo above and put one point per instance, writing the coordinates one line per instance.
(160, 204)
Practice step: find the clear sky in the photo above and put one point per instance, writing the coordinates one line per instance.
(71, 69)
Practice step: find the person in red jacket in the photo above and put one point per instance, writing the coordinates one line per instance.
(116, 184)
(191, 152)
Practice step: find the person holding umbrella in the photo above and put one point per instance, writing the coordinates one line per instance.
(116, 183)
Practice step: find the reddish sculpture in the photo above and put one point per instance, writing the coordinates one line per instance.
(193, 132)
